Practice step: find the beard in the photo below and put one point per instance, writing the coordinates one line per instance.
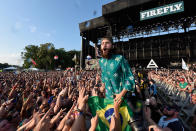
(106, 53)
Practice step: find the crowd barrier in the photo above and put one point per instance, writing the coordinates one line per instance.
(170, 94)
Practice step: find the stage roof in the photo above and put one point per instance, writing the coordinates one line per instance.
(118, 15)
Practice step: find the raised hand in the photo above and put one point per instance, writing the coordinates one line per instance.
(57, 117)
(154, 128)
(147, 112)
(94, 122)
(37, 117)
(64, 122)
(82, 99)
(63, 92)
(44, 123)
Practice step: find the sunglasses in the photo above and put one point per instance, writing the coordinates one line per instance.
(169, 108)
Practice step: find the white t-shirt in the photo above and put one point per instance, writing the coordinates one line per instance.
(173, 124)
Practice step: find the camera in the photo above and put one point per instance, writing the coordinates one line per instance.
(147, 102)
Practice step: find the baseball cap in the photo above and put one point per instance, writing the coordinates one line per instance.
(182, 79)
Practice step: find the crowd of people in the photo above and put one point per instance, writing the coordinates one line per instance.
(183, 81)
(58, 101)
(44, 100)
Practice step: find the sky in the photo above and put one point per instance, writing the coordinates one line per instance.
(35, 22)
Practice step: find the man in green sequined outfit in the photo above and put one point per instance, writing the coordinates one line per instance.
(116, 72)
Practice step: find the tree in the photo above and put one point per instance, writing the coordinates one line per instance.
(5, 65)
(44, 54)
(31, 52)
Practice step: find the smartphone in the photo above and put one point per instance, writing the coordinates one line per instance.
(147, 102)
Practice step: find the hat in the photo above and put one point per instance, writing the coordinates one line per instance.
(182, 79)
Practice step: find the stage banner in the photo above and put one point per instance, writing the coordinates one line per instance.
(162, 10)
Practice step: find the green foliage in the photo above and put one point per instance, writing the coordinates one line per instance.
(5, 65)
(44, 54)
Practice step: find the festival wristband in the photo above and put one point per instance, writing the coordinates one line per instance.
(81, 114)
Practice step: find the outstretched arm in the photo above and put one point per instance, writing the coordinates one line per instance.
(152, 124)
(81, 107)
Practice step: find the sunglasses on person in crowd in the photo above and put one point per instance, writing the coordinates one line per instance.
(170, 108)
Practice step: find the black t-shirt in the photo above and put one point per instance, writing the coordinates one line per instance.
(175, 126)
(155, 114)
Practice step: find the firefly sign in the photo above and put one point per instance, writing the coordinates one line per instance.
(162, 10)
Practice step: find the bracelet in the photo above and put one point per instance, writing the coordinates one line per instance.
(79, 110)
(81, 114)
